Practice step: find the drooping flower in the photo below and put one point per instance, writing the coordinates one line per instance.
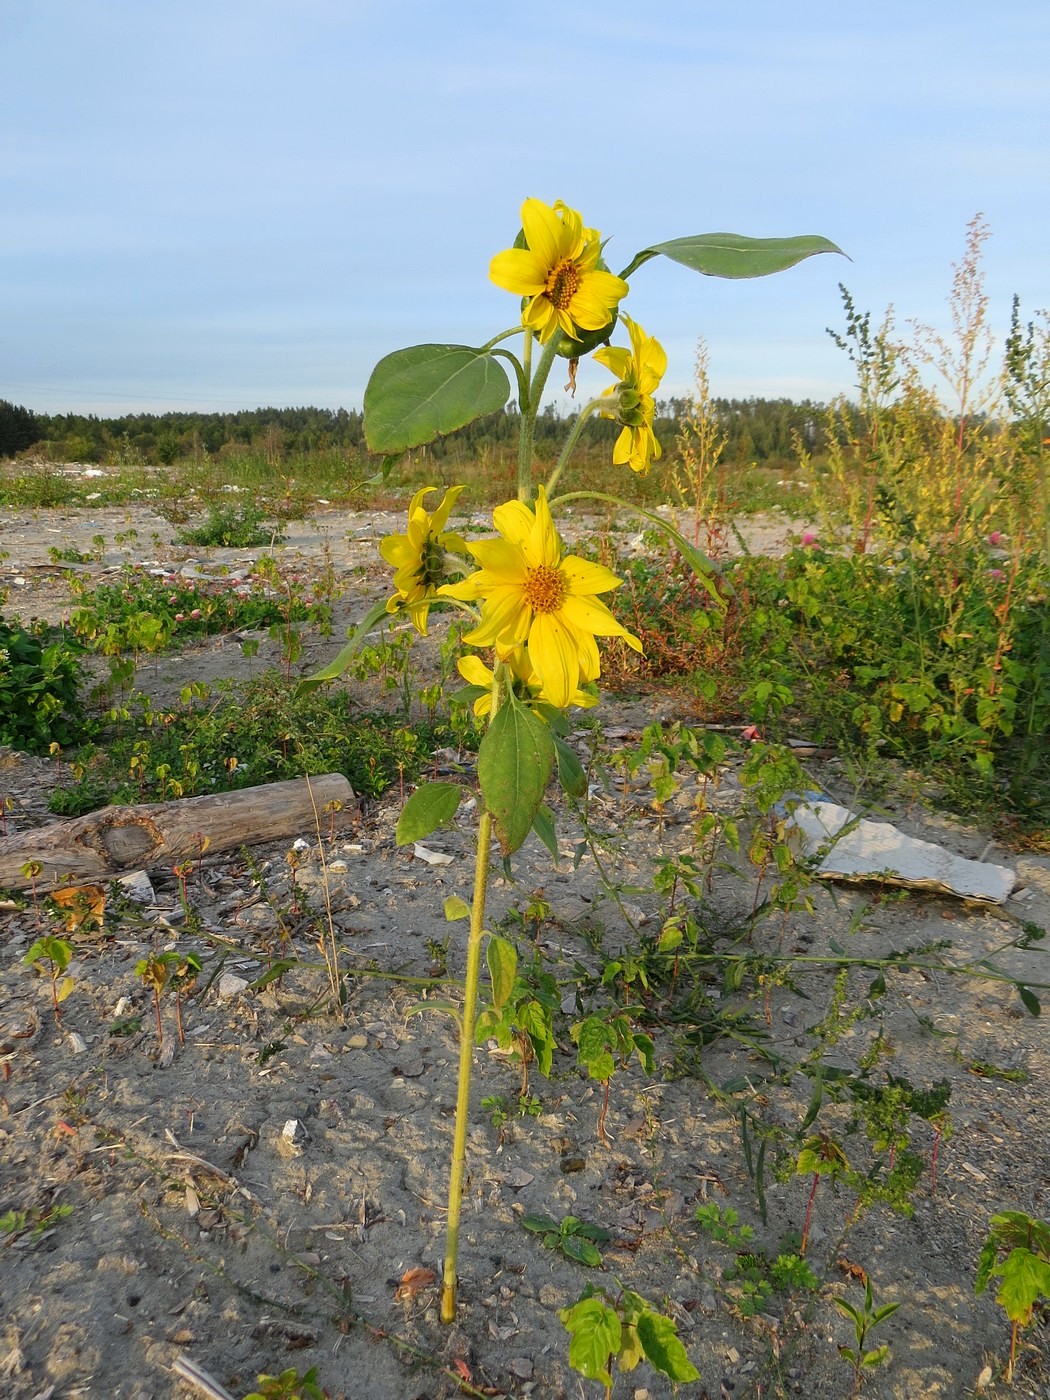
(523, 679)
(534, 595)
(419, 556)
(558, 272)
(639, 371)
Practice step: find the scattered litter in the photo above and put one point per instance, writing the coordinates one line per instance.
(76, 1042)
(294, 1137)
(137, 886)
(869, 850)
(429, 857)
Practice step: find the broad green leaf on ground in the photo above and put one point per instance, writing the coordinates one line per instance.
(515, 759)
(663, 1349)
(430, 806)
(733, 255)
(415, 395)
(595, 1333)
(1026, 1277)
(595, 1041)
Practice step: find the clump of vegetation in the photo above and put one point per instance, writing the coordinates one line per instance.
(233, 527)
(258, 734)
(40, 702)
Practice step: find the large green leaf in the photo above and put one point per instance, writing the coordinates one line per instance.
(430, 806)
(415, 395)
(515, 759)
(733, 255)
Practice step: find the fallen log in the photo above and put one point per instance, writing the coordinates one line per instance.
(115, 839)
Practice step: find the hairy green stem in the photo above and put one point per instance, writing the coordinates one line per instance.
(528, 416)
(466, 1054)
(572, 440)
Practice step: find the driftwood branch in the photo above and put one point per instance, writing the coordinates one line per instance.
(102, 844)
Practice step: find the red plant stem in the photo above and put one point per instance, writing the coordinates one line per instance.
(601, 1116)
(809, 1212)
(178, 1016)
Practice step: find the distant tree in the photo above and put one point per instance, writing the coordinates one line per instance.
(18, 428)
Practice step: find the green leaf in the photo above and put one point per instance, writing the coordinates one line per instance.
(430, 806)
(580, 1250)
(594, 1336)
(1031, 1001)
(1025, 1277)
(595, 1042)
(502, 959)
(515, 759)
(570, 770)
(985, 1265)
(415, 395)
(539, 1224)
(456, 908)
(593, 1232)
(733, 255)
(335, 668)
(663, 1350)
(543, 826)
(535, 1021)
(644, 1048)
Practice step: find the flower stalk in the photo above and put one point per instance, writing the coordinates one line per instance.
(466, 1056)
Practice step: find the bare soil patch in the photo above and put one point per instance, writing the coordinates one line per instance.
(256, 1197)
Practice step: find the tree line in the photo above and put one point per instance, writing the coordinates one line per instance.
(756, 429)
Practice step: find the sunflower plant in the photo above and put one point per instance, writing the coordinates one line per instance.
(537, 611)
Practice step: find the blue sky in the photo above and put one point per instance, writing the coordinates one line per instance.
(227, 203)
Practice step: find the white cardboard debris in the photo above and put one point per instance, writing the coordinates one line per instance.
(878, 851)
(137, 886)
(431, 857)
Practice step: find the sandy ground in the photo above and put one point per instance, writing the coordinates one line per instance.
(256, 1198)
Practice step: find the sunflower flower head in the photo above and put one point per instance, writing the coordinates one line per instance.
(418, 556)
(639, 371)
(535, 596)
(558, 273)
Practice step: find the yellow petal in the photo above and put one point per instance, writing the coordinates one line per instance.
(585, 577)
(514, 521)
(474, 670)
(616, 358)
(500, 559)
(439, 519)
(541, 317)
(544, 232)
(589, 615)
(554, 654)
(518, 270)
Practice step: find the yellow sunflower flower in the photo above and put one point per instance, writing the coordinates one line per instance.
(523, 679)
(639, 374)
(535, 596)
(419, 556)
(558, 272)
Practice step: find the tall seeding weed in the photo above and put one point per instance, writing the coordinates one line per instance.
(912, 619)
